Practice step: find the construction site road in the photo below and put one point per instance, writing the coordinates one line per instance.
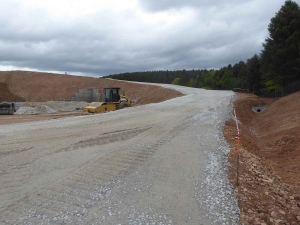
(162, 163)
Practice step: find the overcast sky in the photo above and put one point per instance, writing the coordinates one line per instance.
(101, 37)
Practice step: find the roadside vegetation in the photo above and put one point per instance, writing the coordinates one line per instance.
(275, 71)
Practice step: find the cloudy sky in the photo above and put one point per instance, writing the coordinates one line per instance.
(101, 37)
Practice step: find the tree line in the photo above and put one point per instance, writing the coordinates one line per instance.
(276, 70)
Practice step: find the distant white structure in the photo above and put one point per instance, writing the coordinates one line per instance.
(87, 95)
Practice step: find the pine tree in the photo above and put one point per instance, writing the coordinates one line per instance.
(280, 60)
(254, 74)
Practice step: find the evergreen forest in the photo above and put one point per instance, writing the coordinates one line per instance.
(275, 71)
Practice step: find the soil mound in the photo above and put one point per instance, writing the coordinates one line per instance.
(26, 110)
(281, 115)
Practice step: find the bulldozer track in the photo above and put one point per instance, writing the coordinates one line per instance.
(79, 191)
(110, 137)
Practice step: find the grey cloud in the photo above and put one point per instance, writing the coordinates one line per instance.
(109, 42)
(177, 4)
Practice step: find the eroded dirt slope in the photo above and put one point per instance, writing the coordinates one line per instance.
(6, 95)
(269, 179)
(34, 86)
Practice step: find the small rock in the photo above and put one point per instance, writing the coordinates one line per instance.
(265, 177)
(298, 218)
(277, 221)
(291, 197)
(261, 210)
(282, 203)
(296, 197)
(250, 211)
(282, 212)
(268, 180)
(273, 214)
(256, 171)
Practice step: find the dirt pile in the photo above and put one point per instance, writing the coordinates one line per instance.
(40, 109)
(48, 107)
(26, 110)
(41, 87)
(269, 190)
(65, 106)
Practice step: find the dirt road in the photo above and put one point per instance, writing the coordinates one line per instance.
(163, 163)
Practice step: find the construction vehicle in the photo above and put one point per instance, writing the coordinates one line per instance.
(112, 100)
(7, 108)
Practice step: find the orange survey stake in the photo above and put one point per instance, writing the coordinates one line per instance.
(238, 148)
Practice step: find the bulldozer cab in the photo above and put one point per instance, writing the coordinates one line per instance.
(111, 94)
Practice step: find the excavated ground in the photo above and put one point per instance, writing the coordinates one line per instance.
(269, 184)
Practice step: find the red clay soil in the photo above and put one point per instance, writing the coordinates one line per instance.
(6, 95)
(34, 86)
(269, 168)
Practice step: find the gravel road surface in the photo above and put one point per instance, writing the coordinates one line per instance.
(163, 163)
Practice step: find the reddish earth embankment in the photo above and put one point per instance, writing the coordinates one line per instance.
(34, 86)
(269, 181)
(6, 95)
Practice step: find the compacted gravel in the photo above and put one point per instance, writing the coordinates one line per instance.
(163, 163)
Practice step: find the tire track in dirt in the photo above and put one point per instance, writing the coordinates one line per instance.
(83, 188)
(106, 138)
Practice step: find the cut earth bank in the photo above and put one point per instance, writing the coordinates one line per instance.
(269, 168)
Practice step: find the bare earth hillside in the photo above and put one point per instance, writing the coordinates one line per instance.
(6, 95)
(34, 86)
(269, 190)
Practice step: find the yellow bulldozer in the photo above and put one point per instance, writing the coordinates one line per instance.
(112, 101)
